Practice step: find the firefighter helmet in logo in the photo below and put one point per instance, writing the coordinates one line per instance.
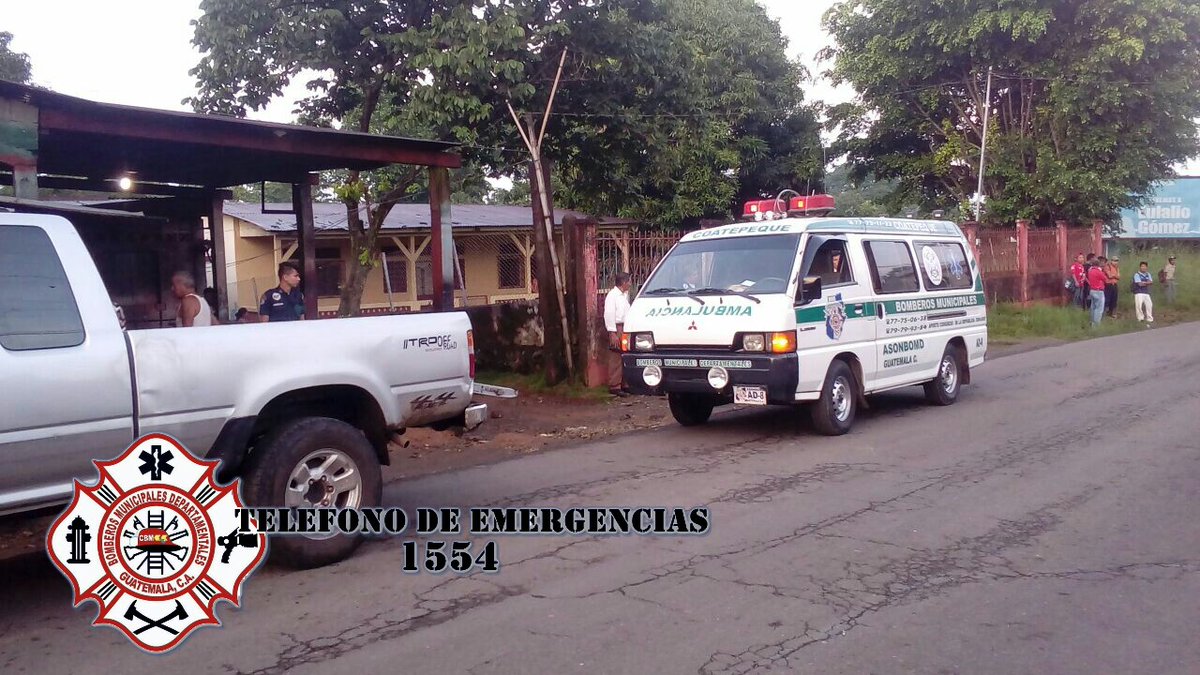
(142, 543)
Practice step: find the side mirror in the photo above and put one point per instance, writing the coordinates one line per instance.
(810, 289)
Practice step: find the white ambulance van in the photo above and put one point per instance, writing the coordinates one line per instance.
(815, 311)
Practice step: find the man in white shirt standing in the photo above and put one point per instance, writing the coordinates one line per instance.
(616, 306)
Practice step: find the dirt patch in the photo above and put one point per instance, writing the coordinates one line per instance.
(520, 426)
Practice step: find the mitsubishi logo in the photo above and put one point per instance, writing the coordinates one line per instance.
(693, 326)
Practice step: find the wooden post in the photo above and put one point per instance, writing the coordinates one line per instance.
(302, 205)
(441, 239)
(216, 229)
(548, 296)
(1023, 259)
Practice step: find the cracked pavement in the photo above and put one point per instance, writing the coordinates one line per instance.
(1048, 522)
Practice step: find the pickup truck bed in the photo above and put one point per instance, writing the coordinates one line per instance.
(80, 388)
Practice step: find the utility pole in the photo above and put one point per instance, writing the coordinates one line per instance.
(987, 113)
(534, 143)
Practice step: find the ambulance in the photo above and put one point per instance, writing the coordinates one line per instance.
(793, 307)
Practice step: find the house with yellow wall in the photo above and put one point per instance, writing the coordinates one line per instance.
(494, 246)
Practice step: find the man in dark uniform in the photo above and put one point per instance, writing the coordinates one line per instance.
(285, 302)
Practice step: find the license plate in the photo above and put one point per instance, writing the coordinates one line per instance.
(750, 395)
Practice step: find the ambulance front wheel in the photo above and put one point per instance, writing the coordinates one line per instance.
(690, 409)
(943, 389)
(833, 413)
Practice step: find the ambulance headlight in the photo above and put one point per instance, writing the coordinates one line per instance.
(718, 377)
(754, 342)
(643, 342)
(652, 376)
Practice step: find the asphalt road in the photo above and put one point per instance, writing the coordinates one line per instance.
(1047, 523)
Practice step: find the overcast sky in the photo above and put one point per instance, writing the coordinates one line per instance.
(138, 52)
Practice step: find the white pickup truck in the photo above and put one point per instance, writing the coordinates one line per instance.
(302, 411)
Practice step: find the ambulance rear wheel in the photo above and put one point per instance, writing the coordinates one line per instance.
(833, 413)
(690, 409)
(943, 389)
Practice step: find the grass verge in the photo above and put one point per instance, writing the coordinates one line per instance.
(1010, 324)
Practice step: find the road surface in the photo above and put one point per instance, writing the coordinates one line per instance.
(1047, 523)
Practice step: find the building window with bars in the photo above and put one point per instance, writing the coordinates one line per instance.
(330, 271)
(424, 273)
(397, 271)
(510, 266)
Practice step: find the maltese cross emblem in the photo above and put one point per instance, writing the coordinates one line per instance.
(142, 543)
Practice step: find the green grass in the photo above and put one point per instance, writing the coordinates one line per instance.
(1009, 324)
(536, 384)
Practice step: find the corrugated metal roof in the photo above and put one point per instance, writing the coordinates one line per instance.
(329, 217)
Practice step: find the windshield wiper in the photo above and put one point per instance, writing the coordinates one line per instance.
(671, 291)
(726, 291)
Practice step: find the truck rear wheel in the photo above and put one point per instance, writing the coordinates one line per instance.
(313, 462)
(690, 409)
(833, 413)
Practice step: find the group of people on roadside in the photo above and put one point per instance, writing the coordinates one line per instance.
(285, 302)
(1095, 281)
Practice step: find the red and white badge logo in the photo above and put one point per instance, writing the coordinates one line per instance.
(155, 543)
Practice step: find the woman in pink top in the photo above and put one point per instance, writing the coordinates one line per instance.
(1097, 279)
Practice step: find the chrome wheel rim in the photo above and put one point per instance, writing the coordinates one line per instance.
(325, 478)
(949, 374)
(840, 396)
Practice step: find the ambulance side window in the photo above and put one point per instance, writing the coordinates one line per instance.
(944, 266)
(831, 264)
(892, 269)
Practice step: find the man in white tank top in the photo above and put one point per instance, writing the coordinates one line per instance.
(193, 309)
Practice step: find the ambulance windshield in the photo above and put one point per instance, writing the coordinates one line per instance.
(755, 265)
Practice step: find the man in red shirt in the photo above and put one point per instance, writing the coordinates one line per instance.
(1077, 274)
(1096, 279)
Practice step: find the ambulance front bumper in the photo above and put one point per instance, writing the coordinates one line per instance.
(688, 373)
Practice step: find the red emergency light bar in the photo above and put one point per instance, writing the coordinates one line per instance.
(811, 203)
(770, 209)
(760, 209)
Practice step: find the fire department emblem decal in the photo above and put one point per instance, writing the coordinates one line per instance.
(155, 543)
(835, 317)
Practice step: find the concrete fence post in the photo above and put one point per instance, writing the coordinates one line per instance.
(592, 341)
(1098, 236)
(1023, 259)
(1060, 241)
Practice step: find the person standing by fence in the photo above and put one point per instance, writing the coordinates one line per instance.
(1141, 294)
(616, 306)
(1096, 280)
(1078, 275)
(1167, 277)
(1112, 270)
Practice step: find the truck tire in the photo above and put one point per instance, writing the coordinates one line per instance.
(943, 389)
(833, 413)
(690, 409)
(340, 468)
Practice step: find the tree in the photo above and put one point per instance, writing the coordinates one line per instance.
(669, 109)
(14, 66)
(374, 61)
(1092, 100)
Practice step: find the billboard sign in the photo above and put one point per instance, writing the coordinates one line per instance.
(1173, 212)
